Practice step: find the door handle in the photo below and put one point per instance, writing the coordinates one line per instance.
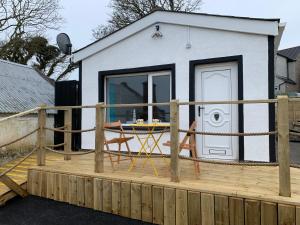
(199, 110)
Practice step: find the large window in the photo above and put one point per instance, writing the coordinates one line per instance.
(141, 88)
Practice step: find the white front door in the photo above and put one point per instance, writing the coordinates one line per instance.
(217, 82)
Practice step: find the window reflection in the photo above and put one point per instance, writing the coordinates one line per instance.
(134, 89)
(127, 90)
(161, 93)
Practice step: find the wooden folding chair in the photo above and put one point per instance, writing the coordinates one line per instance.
(122, 139)
(191, 145)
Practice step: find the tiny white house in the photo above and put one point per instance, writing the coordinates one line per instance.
(188, 56)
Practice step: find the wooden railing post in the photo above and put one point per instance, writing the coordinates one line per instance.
(68, 136)
(174, 136)
(41, 137)
(99, 138)
(283, 146)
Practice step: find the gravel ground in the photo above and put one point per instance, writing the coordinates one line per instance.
(39, 211)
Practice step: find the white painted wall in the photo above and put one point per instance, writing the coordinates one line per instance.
(142, 50)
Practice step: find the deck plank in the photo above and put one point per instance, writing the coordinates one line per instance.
(257, 182)
(269, 213)
(194, 208)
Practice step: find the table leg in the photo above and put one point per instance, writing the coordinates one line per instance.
(156, 141)
(133, 162)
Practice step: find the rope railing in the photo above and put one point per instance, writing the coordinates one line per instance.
(56, 146)
(69, 153)
(229, 134)
(294, 133)
(294, 99)
(69, 131)
(20, 138)
(254, 101)
(232, 163)
(237, 102)
(141, 132)
(174, 129)
(60, 128)
(20, 114)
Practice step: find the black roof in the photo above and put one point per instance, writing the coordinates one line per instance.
(290, 53)
(182, 12)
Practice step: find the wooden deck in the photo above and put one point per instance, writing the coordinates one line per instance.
(19, 175)
(256, 182)
(223, 194)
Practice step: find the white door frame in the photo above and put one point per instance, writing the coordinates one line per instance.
(232, 67)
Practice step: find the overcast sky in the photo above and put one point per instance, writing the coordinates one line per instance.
(82, 16)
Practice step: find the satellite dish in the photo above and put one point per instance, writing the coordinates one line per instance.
(64, 43)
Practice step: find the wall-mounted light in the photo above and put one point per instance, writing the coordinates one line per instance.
(157, 33)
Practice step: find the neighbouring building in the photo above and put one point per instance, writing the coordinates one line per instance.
(188, 56)
(287, 79)
(22, 88)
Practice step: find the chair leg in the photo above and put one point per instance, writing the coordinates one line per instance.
(194, 154)
(197, 166)
(119, 150)
(128, 149)
(110, 158)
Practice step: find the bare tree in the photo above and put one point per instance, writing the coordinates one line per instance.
(23, 24)
(125, 12)
(19, 17)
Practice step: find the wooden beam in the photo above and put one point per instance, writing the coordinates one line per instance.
(99, 139)
(236, 211)
(207, 209)
(194, 208)
(269, 213)
(174, 126)
(125, 199)
(283, 146)
(169, 206)
(147, 203)
(98, 194)
(252, 212)
(158, 205)
(181, 207)
(41, 138)
(11, 194)
(221, 210)
(13, 186)
(67, 135)
(286, 214)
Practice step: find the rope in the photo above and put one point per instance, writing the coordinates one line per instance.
(62, 127)
(232, 163)
(134, 132)
(55, 146)
(295, 166)
(70, 153)
(267, 101)
(16, 140)
(69, 131)
(20, 114)
(135, 155)
(229, 134)
(295, 133)
(13, 167)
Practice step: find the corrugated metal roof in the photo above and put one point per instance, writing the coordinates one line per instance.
(290, 53)
(23, 88)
